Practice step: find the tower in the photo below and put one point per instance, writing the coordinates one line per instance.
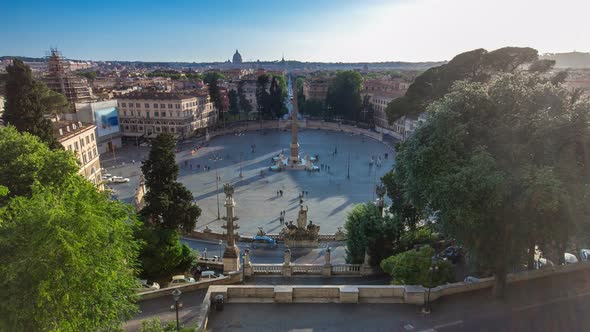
(231, 255)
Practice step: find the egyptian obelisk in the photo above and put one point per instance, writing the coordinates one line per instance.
(294, 158)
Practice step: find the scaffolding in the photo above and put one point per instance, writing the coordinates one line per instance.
(59, 79)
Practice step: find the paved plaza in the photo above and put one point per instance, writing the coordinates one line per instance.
(330, 193)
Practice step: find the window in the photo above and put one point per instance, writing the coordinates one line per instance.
(70, 147)
(163, 114)
(75, 146)
(124, 113)
(92, 137)
(156, 114)
(95, 152)
(177, 114)
(137, 105)
(83, 159)
(158, 129)
(81, 142)
(146, 105)
(140, 128)
(87, 140)
(130, 105)
(90, 155)
(171, 129)
(177, 105)
(169, 105)
(123, 105)
(126, 127)
(155, 105)
(147, 114)
(162, 105)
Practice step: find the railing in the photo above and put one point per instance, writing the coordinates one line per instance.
(327, 237)
(307, 268)
(346, 269)
(267, 268)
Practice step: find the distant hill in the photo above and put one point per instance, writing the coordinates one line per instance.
(569, 60)
(23, 58)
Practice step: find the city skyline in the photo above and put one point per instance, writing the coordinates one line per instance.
(335, 31)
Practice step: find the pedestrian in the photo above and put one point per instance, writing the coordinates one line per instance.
(281, 192)
(306, 193)
(301, 201)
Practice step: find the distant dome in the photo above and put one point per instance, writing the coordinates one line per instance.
(237, 57)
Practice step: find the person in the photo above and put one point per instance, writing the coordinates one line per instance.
(281, 191)
(301, 201)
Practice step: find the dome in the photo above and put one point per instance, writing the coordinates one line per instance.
(237, 57)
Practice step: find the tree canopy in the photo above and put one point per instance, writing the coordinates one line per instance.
(476, 66)
(68, 258)
(344, 95)
(27, 103)
(504, 165)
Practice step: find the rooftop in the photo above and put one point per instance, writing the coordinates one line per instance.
(164, 95)
(63, 129)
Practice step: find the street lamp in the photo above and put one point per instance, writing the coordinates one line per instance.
(220, 247)
(216, 158)
(176, 295)
(205, 252)
(427, 309)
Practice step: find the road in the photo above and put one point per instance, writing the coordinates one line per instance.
(549, 304)
(274, 256)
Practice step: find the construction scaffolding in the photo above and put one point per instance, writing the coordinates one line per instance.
(60, 79)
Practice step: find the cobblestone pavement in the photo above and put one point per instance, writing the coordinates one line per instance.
(331, 194)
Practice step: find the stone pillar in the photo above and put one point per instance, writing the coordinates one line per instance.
(327, 268)
(231, 256)
(248, 272)
(366, 268)
(287, 268)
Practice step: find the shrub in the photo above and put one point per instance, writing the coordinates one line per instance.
(413, 268)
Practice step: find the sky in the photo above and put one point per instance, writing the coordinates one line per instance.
(304, 30)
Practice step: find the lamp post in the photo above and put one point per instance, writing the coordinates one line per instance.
(427, 308)
(220, 248)
(176, 295)
(215, 159)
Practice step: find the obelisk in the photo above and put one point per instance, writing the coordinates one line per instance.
(294, 158)
(231, 255)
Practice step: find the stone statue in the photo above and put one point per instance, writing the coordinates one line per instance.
(228, 189)
(302, 217)
(380, 191)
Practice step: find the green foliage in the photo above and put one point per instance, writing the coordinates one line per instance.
(27, 103)
(367, 230)
(344, 96)
(507, 160)
(401, 207)
(277, 96)
(263, 97)
(154, 325)
(169, 205)
(475, 66)
(88, 74)
(312, 107)
(413, 267)
(162, 254)
(212, 76)
(216, 97)
(25, 161)
(67, 260)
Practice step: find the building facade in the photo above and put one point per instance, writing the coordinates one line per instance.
(316, 89)
(59, 79)
(105, 116)
(147, 114)
(80, 138)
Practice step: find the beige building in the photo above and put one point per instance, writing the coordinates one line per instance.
(147, 114)
(80, 138)
(316, 89)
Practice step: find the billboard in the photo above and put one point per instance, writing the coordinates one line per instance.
(107, 121)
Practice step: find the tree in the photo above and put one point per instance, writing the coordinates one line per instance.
(245, 105)
(312, 107)
(344, 95)
(367, 231)
(25, 161)
(368, 111)
(26, 105)
(277, 97)
(475, 66)
(505, 165)
(263, 97)
(413, 268)
(168, 204)
(169, 208)
(67, 259)
(234, 106)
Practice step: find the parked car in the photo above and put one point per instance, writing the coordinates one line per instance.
(119, 179)
(210, 275)
(452, 253)
(263, 242)
(145, 286)
(181, 279)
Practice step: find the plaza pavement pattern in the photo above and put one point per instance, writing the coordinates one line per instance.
(331, 194)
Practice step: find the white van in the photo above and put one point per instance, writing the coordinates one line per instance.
(210, 275)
